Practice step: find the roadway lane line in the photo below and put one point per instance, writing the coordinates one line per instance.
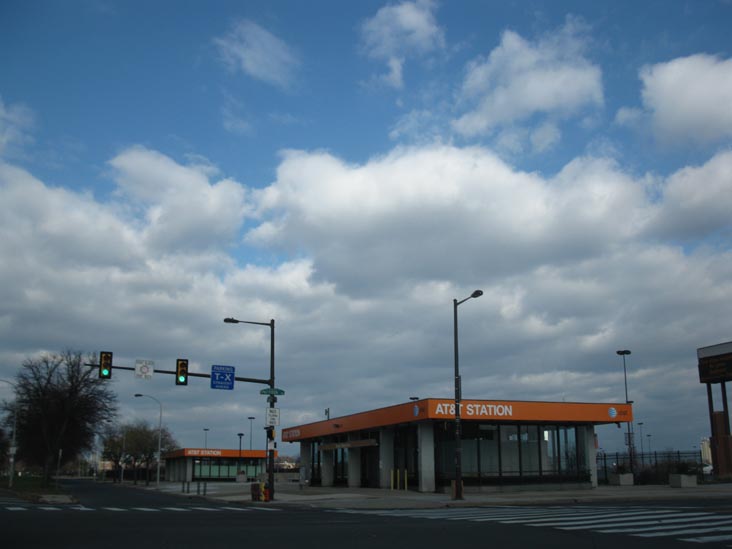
(147, 509)
(16, 508)
(204, 508)
(235, 508)
(176, 509)
(113, 509)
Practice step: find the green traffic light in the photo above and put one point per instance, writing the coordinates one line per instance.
(105, 372)
(181, 378)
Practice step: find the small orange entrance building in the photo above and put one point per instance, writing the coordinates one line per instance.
(412, 445)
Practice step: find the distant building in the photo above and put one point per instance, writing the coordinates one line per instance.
(706, 450)
(192, 464)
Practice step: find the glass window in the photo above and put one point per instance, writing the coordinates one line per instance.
(568, 450)
(529, 450)
(549, 453)
(510, 450)
(488, 450)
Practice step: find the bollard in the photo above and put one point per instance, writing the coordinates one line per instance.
(198, 488)
(205, 486)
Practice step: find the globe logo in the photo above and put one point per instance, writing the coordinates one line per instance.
(613, 413)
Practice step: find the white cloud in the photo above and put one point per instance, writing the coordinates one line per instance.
(689, 98)
(359, 264)
(15, 122)
(545, 137)
(182, 208)
(259, 53)
(520, 79)
(400, 31)
(697, 201)
(407, 212)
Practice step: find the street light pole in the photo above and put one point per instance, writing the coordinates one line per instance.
(239, 435)
(272, 398)
(640, 425)
(205, 438)
(458, 397)
(13, 447)
(251, 418)
(160, 433)
(625, 353)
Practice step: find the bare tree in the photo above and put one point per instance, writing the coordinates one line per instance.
(62, 405)
(140, 445)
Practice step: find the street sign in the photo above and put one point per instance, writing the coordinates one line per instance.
(271, 391)
(272, 417)
(222, 377)
(144, 368)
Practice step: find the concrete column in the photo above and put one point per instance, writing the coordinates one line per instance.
(426, 456)
(586, 440)
(354, 464)
(386, 457)
(327, 467)
(305, 463)
(189, 469)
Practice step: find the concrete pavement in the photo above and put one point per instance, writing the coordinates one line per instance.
(371, 498)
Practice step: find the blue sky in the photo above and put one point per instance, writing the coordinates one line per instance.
(349, 168)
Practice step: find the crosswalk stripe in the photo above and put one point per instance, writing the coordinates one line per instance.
(708, 539)
(584, 518)
(204, 508)
(81, 508)
(47, 508)
(113, 509)
(630, 524)
(17, 508)
(175, 509)
(145, 509)
(235, 508)
(678, 532)
(265, 509)
(656, 525)
(684, 523)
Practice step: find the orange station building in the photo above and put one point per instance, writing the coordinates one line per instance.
(412, 445)
(192, 464)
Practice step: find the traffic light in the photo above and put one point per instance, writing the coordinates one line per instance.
(105, 365)
(181, 371)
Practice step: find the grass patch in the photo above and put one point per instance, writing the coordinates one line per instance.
(31, 487)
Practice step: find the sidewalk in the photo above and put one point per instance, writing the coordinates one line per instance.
(372, 498)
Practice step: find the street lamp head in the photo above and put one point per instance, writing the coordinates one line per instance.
(476, 293)
(231, 320)
(623, 352)
(139, 395)
(240, 435)
(251, 417)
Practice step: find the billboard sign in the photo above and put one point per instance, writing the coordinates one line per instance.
(715, 363)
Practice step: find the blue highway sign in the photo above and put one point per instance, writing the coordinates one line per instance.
(222, 377)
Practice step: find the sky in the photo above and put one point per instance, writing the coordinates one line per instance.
(350, 168)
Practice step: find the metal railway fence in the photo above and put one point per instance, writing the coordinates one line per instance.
(651, 467)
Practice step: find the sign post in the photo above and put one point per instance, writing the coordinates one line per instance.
(715, 366)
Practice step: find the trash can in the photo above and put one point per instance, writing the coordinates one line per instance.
(256, 491)
(265, 492)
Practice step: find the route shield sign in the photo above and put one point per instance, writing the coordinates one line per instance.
(144, 368)
(222, 377)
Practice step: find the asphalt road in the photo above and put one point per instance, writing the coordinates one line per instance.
(120, 517)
